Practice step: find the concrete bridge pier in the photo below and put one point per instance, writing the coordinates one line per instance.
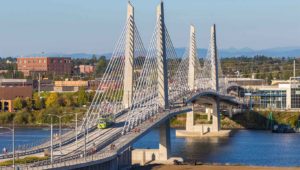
(203, 130)
(160, 155)
(230, 111)
(164, 141)
(208, 112)
(190, 120)
(216, 126)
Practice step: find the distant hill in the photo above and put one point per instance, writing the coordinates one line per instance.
(230, 52)
(233, 52)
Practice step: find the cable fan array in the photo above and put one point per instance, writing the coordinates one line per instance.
(209, 67)
(204, 71)
(108, 96)
(145, 98)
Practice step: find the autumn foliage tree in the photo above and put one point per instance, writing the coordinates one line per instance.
(52, 100)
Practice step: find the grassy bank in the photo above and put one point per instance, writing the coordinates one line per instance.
(245, 120)
(29, 159)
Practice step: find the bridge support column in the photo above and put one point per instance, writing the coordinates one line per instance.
(230, 111)
(190, 120)
(164, 141)
(208, 112)
(215, 122)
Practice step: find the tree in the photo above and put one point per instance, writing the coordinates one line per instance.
(52, 100)
(68, 100)
(38, 102)
(61, 101)
(82, 97)
(18, 103)
(101, 65)
(28, 102)
(93, 60)
(91, 95)
(22, 117)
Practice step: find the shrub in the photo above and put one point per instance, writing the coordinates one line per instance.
(17, 103)
(29, 159)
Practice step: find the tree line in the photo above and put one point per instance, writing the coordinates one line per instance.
(36, 111)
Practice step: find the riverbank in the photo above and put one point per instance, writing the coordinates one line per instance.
(258, 120)
(211, 167)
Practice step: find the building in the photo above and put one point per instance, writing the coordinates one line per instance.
(45, 84)
(3, 71)
(15, 82)
(52, 65)
(61, 86)
(246, 81)
(8, 94)
(284, 95)
(86, 69)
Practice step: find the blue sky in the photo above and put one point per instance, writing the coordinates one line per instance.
(93, 26)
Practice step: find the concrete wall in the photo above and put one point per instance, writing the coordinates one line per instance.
(143, 156)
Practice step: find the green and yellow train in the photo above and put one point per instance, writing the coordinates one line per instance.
(105, 121)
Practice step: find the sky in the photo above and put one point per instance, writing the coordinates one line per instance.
(93, 26)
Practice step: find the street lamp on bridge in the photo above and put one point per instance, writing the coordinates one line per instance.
(59, 117)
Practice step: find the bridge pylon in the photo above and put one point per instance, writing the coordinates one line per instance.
(129, 57)
(214, 59)
(191, 74)
(211, 73)
(192, 58)
(162, 65)
(162, 76)
(215, 77)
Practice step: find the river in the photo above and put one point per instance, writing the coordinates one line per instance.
(245, 147)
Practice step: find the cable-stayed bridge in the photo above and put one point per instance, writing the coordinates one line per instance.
(141, 89)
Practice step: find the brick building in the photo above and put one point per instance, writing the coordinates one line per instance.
(8, 94)
(52, 65)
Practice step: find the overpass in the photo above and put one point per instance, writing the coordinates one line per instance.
(143, 90)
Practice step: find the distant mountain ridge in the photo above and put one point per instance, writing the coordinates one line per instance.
(234, 52)
(224, 53)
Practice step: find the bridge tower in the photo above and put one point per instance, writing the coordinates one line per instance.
(163, 91)
(191, 74)
(162, 66)
(211, 105)
(214, 59)
(215, 78)
(192, 58)
(129, 57)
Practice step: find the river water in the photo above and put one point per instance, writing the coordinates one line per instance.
(244, 147)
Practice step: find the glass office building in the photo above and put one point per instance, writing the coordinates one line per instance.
(295, 98)
(273, 99)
